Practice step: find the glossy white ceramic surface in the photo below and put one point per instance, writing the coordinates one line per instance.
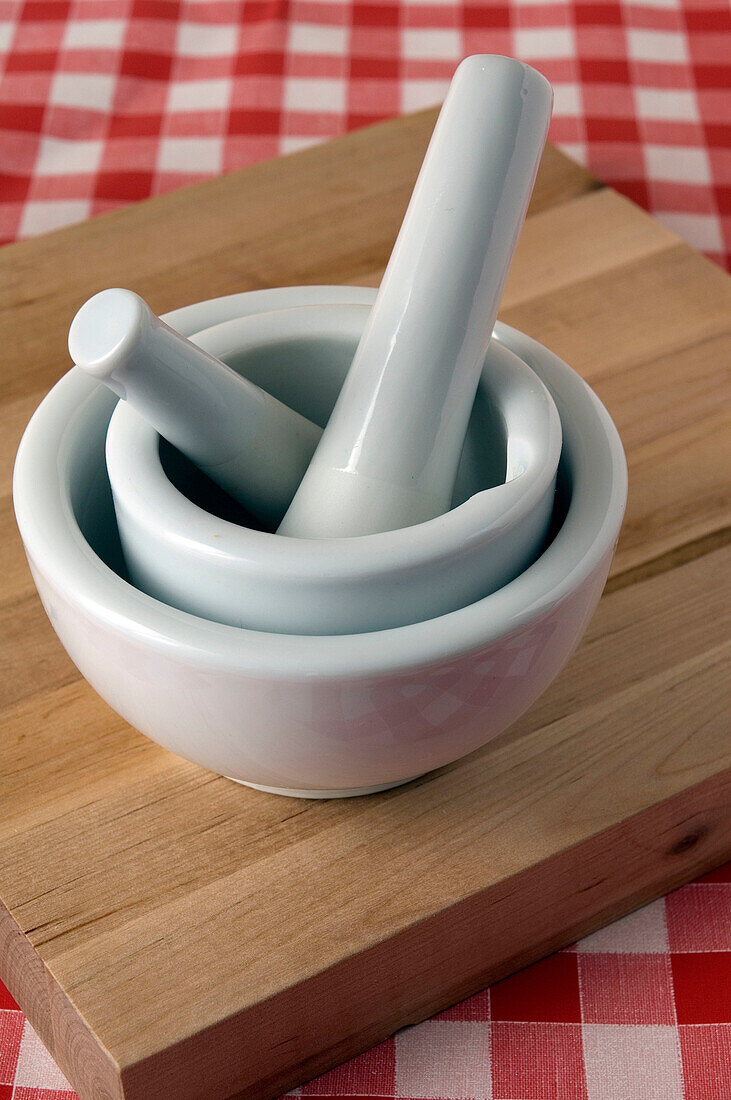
(199, 562)
(389, 454)
(297, 712)
(250, 444)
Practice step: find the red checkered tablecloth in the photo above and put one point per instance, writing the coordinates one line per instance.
(106, 101)
(103, 102)
(639, 1011)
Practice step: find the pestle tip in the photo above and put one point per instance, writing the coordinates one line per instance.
(477, 67)
(106, 329)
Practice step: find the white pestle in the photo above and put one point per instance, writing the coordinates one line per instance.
(388, 456)
(250, 444)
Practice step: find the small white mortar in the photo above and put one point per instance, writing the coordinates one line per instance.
(187, 557)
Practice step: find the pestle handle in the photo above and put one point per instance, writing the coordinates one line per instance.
(252, 445)
(389, 454)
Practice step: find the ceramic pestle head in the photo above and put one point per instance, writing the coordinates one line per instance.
(252, 445)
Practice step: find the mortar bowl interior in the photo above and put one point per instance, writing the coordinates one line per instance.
(315, 716)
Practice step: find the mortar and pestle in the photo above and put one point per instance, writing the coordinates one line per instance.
(383, 474)
(392, 633)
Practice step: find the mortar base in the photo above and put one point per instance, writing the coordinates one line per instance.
(351, 792)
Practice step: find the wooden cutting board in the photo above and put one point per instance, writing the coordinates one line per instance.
(171, 934)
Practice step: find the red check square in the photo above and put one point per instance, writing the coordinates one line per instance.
(146, 66)
(702, 984)
(378, 68)
(706, 1055)
(34, 61)
(486, 15)
(598, 71)
(11, 1034)
(261, 11)
(375, 15)
(259, 62)
(549, 991)
(26, 1093)
(626, 989)
(46, 11)
(537, 1062)
(21, 116)
(123, 186)
(154, 9)
(699, 918)
(253, 121)
(598, 15)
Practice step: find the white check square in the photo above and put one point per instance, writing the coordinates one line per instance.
(702, 231)
(548, 42)
(653, 45)
(207, 40)
(7, 30)
(293, 145)
(444, 1058)
(655, 3)
(312, 38)
(576, 150)
(644, 932)
(59, 157)
(305, 94)
(667, 104)
(566, 99)
(190, 154)
(89, 91)
(199, 95)
(623, 1062)
(36, 1068)
(677, 164)
(416, 94)
(94, 34)
(431, 45)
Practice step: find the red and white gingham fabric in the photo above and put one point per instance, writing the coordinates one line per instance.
(639, 1011)
(106, 101)
(103, 102)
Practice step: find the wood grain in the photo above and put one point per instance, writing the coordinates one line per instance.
(172, 934)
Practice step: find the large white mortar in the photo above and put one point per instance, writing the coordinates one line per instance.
(312, 715)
